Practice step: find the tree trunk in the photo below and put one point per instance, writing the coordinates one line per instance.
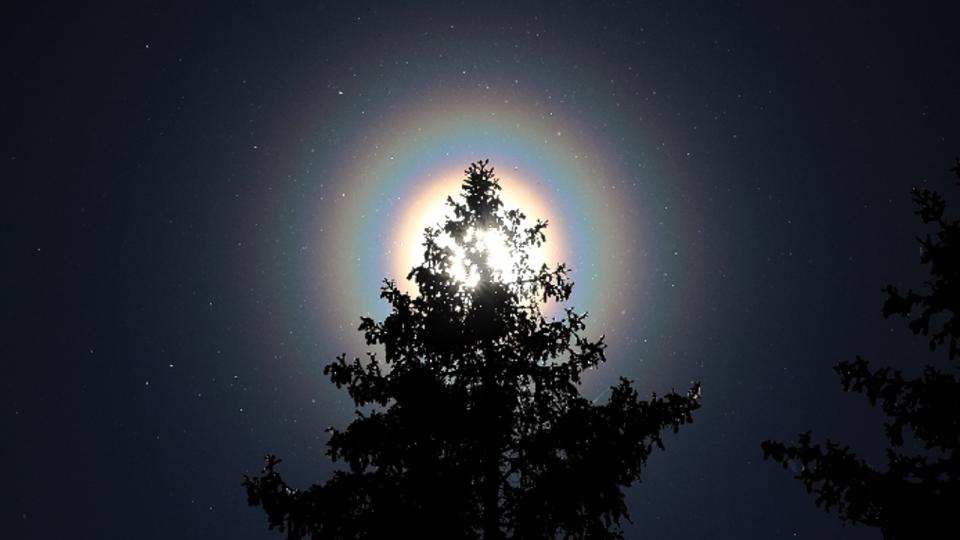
(491, 497)
(491, 458)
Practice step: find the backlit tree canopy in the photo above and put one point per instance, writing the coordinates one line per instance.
(472, 424)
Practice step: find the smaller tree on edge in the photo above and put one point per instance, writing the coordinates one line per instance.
(916, 495)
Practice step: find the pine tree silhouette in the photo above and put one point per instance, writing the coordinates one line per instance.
(472, 426)
(916, 495)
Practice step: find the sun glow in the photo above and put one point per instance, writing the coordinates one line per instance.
(427, 208)
(487, 245)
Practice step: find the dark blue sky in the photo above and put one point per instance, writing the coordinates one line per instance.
(166, 167)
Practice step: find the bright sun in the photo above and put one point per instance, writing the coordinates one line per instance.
(476, 242)
(426, 208)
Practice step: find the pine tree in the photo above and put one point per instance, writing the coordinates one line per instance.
(472, 426)
(916, 495)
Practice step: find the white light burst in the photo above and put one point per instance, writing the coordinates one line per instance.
(426, 207)
(476, 243)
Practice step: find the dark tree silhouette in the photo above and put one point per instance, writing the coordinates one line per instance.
(473, 426)
(916, 495)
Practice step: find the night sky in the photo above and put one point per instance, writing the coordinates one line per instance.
(200, 202)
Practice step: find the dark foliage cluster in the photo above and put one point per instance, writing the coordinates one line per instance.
(472, 425)
(915, 495)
